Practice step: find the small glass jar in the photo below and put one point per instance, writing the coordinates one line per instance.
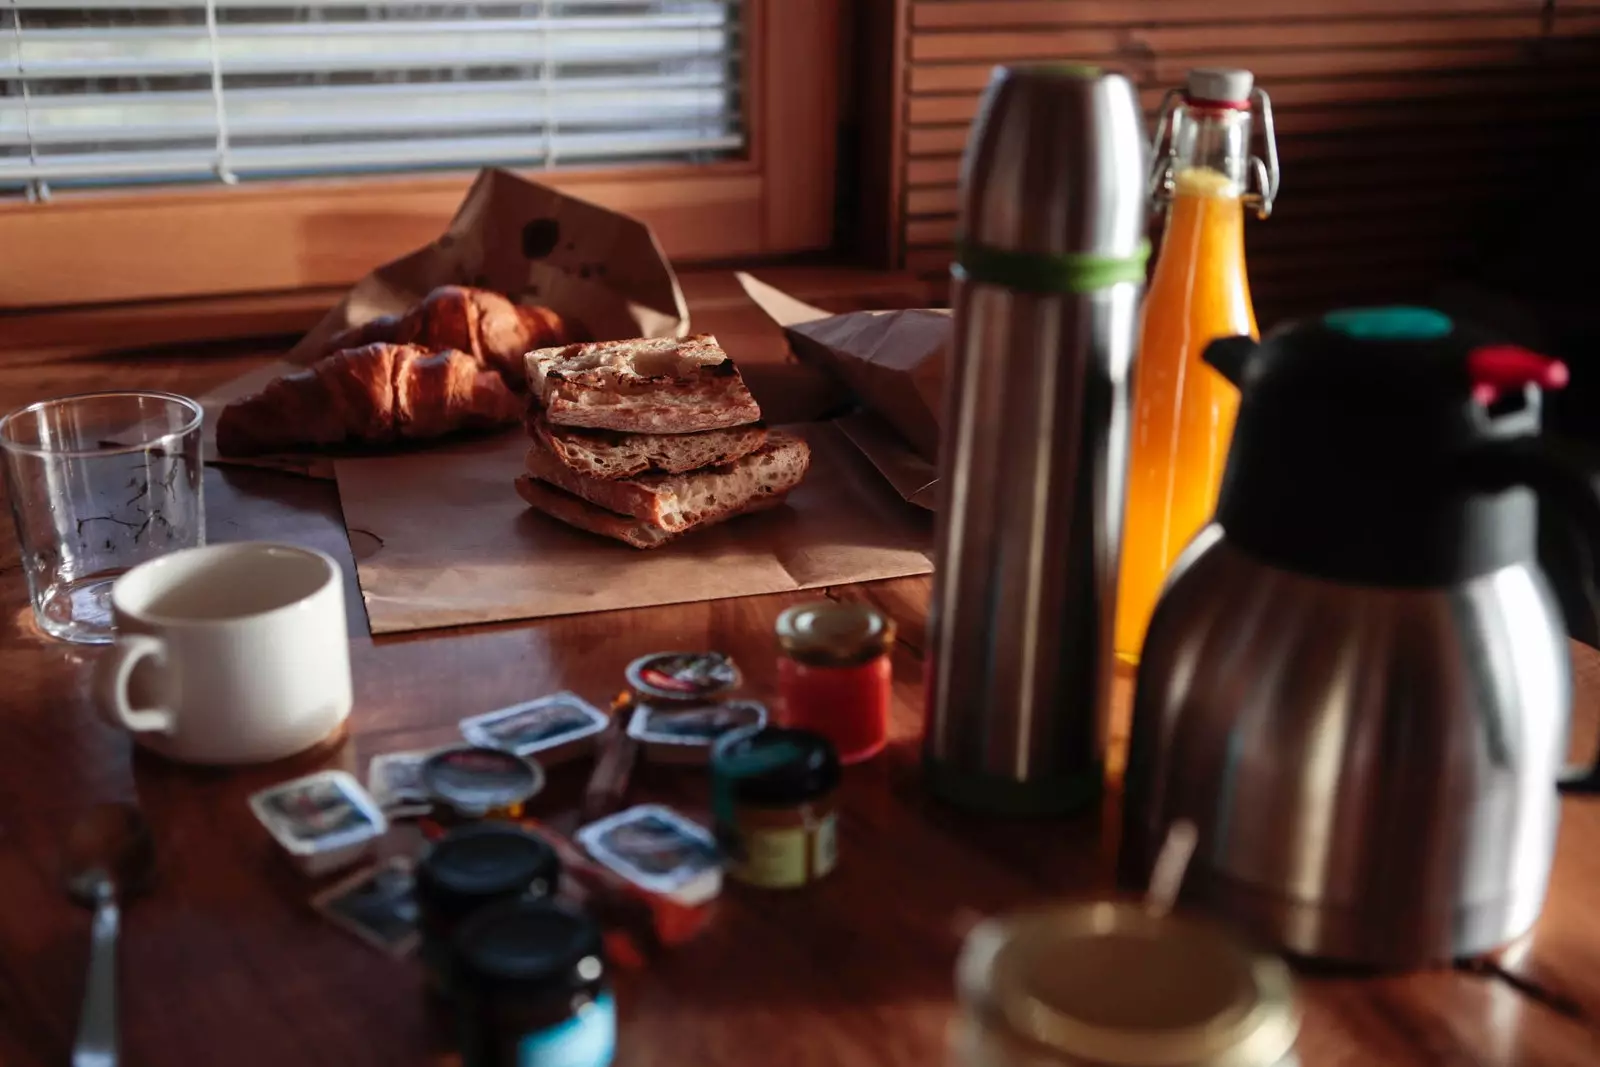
(774, 794)
(1112, 983)
(835, 675)
(530, 984)
(470, 782)
(469, 869)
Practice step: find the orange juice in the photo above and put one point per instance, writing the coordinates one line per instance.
(1182, 409)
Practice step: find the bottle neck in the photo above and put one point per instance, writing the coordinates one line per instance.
(1212, 139)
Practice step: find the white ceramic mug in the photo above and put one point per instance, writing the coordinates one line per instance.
(235, 653)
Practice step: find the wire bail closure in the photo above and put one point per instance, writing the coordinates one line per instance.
(1264, 175)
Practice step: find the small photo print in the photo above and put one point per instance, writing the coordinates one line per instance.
(536, 725)
(378, 905)
(654, 846)
(395, 779)
(315, 809)
(696, 726)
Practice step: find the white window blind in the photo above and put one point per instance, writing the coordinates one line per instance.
(107, 92)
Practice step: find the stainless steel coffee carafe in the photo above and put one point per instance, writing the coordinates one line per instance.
(1356, 682)
(1034, 456)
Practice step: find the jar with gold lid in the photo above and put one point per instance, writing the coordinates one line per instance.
(1115, 984)
(835, 675)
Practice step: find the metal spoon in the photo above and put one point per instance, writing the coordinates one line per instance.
(109, 858)
(1172, 863)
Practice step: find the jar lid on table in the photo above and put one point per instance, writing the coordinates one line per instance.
(831, 633)
(475, 864)
(1113, 983)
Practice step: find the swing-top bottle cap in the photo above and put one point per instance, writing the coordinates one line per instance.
(1220, 87)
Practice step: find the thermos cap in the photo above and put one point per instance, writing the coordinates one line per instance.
(1052, 182)
(1110, 982)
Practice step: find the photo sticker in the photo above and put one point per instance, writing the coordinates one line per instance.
(537, 725)
(653, 846)
(315, 810)
(378, 905)
(395, 779)
(695, 726)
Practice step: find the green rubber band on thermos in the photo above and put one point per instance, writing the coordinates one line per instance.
(1039, 272)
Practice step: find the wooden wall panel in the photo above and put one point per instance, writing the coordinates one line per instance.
(1408, 129)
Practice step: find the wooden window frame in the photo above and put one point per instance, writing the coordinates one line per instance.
(263, 241)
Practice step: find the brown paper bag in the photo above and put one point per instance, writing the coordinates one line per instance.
(894, 361)
(528, 241)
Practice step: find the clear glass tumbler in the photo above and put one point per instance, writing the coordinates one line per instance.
(98, 484)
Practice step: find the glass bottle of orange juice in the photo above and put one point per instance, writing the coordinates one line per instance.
(1182, 409)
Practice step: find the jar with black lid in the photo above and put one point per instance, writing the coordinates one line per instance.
(529, 979)
(774, 792)
(468, 869)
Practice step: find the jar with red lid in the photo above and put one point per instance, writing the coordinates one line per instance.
(835, 675)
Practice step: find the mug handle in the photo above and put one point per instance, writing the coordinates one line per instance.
(112, 684)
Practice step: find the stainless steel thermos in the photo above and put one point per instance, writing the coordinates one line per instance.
(1033, 464)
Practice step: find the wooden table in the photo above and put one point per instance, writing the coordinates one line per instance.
(225, 963)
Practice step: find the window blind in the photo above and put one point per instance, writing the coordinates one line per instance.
(108, 92)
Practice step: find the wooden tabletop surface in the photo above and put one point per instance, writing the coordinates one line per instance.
(224, 962)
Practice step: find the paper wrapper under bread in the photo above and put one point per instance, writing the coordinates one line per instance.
(443, 539)
(894, 361)
(514, 236)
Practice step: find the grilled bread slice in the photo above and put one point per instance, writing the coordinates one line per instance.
(597, 520)
(676, 502)
(609, 454)
(646, 385)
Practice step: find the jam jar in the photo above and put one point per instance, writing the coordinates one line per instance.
(835, 674)
(774, 791)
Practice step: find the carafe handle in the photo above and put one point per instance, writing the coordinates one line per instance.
(1230, 356)
(1570, 487)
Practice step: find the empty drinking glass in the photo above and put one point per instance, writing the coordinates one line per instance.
(99, 483)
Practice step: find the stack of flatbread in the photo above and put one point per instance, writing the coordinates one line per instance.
(648, 439)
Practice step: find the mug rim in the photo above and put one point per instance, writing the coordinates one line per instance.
(331, 573)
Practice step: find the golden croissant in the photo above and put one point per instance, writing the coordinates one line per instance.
(369, 395)
(485, 325)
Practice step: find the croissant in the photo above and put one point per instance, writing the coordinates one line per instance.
(485, 325)
(374, 394)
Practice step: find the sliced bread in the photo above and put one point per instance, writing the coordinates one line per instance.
(583, 515)
(609, 454)
(644, 385)
(676, 502)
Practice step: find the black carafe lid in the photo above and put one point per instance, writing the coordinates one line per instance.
(1359, 451)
